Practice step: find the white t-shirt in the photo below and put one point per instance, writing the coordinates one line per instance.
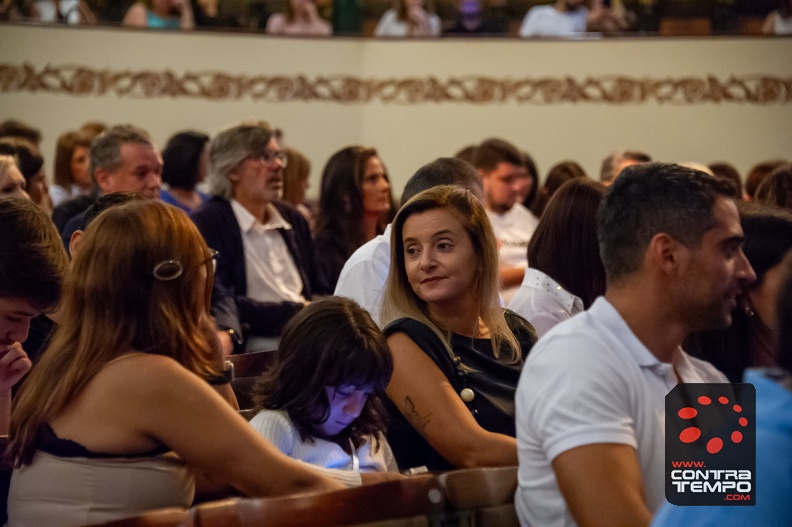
(278, 428)
(543, 302)
(363, 277)
(48, 11)
(513, 229)
(591, 381)
(390, 26)
(545, 20)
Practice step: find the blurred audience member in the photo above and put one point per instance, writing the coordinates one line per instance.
(408, 18)
(63, 12)
(31, 164)
(776, 189)
(727, 171)
(757, 174)
(557, 176)
(473, 19)
(183, 167)
(160, 14)
(92, 129)
(15, 128)
(301, 19)
(529, 186)
(750, 340)
(565, 272)
(12, 182)
(355, 205)
(72, 167)
(501, 168)
(568, 18)
(467, 153)
(295, 183)
(779, 22)
(618, 161)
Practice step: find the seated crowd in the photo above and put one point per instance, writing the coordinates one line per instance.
(390, 347)
(417, 18)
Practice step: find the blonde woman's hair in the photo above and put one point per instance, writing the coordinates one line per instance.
(113, 304)
(401, 301)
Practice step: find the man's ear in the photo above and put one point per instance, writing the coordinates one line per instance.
(102, 178)
(75, 242)
(667, 254)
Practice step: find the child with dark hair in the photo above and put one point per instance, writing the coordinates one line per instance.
(321, 402)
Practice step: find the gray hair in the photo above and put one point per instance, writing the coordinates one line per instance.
(106, 147)
(229, 148)
(610, 163)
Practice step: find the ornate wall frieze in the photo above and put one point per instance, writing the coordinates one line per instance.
(618, 90)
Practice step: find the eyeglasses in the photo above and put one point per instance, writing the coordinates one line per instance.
(269, 156)
(172, 269)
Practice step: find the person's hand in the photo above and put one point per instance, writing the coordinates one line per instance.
(14, 364)
(180, 5)
(371, 478)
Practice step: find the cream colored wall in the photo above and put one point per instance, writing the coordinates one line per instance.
(409, 135)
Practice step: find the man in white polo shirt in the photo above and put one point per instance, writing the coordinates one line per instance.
(590, 402)
(266, 268)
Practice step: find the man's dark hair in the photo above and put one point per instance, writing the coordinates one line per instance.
(493, 151)
(651, 198)
(33, 261)
(181, 159)
(442, 171)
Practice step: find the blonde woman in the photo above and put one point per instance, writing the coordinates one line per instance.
(457, 354)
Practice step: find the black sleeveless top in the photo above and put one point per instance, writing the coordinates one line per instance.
(493, 383)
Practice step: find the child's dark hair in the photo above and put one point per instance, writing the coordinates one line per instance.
(332, 342)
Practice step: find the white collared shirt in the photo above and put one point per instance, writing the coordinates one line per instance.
(272, 275)
(543, 302)
(365, 272)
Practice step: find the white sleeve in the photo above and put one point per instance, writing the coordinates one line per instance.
(570, 395)
(385, 25)
(364, 282)
(349, 478)
(277, 428)
(525, 28)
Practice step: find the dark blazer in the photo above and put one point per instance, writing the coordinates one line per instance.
(230, 304)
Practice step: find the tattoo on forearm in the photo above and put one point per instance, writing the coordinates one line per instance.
(418, 421)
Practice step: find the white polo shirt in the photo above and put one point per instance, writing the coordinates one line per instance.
(590, 381)
(364, 275)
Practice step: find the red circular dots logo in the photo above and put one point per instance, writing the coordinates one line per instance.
(693, 433)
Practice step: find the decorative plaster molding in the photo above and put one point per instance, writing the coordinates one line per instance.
(615, 90)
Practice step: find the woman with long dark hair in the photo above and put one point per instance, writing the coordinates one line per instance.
(355, 205)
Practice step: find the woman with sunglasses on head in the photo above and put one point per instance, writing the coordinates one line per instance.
(121, 400)
(457, 354)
